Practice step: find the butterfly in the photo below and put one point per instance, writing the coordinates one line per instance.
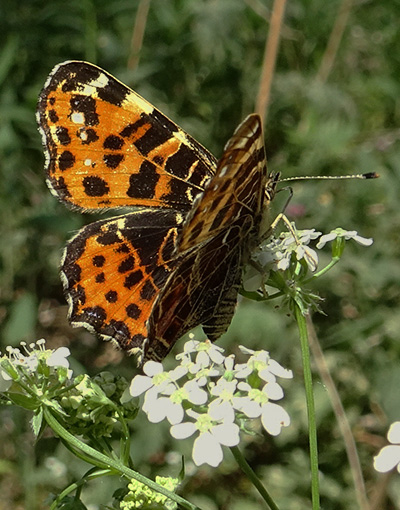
(145, 278)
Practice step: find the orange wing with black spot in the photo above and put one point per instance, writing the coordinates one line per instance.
(108, 147)
(113, 270)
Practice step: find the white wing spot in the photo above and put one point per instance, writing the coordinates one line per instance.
(83, 135)
(87, 162)
(78, 118)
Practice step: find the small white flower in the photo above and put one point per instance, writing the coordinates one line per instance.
(347, 234)
(225, 392)
(280, 250)
(194, 393)
(158, 408)
(215, 428)
(389, 456)
(273, 416)
(155, 378)
(58, 358)
(206, 352)
(309, 255)
(167, 402)
(307, 235)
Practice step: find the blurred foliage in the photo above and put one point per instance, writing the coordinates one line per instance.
(200, 64)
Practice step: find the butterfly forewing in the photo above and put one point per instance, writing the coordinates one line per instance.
(106, 146)
(236, 190)
(215, 241)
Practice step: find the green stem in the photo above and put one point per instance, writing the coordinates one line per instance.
(77, 485)
(109, 463)
(312, 428)
(332, 263)
(253, 477)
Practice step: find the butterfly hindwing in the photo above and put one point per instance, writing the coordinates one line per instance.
(113, 271)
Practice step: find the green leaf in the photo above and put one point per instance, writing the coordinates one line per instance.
(37, 421)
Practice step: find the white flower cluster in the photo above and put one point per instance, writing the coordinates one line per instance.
(28, 359)
(279, 253)
(389, 456)
(210, 395)
(280, 250)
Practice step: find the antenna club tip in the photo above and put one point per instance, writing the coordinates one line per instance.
(370, 175)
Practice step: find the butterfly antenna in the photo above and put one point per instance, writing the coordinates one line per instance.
(368, 175)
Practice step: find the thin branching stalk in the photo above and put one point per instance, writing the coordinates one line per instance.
(334, 41)
(341, 417)
(270, 54)
(138, 34)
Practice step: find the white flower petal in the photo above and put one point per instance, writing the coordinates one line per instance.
(273, 418)
(387, 458)
(325, 239)
(202, 359)
(196, 395)
(273, 391)
(249, 407)
(244, 386)
(206, 450)
(311, 257)
(222, 411)
(216, 355)
(283, 263)
(183, 430)
(140, 384)
(175, 413)
(59, 358)
(394, 432)
(277, 369)
(152, 368)
(158, 410)
(226, 434)
(266, 375)
(245, 350)
(177, 373)
(363, 240)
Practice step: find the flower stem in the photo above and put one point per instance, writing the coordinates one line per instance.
(109, 463)
(253, 477)
(332, 263)
(312, 428)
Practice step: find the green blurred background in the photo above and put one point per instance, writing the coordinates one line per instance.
(200, 64)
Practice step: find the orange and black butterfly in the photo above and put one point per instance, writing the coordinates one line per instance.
(145, 278)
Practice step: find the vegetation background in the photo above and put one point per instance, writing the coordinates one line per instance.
(332, 111)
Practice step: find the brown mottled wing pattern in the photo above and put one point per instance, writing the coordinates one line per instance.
(217, 236)
(108, 147)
